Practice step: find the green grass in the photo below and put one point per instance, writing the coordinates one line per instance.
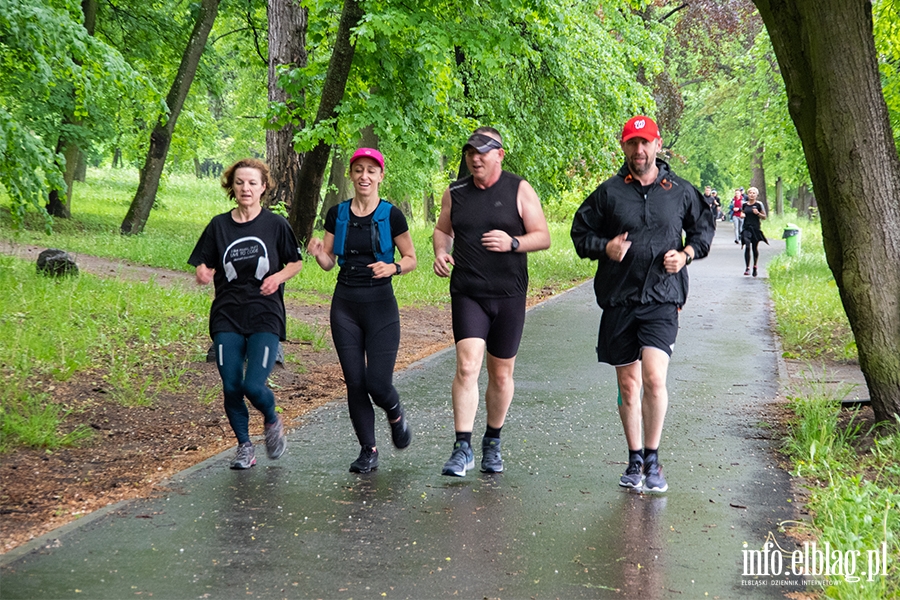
(811, 319)
(855, 497)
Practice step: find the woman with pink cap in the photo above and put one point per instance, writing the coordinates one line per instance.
(360, 237)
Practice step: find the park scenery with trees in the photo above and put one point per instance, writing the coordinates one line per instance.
(147, 101)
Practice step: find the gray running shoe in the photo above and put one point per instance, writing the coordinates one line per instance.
(653, 477)
(245, 457)
(462, 459)
(633, 475)
(491, 461)
(366, 461)
(275, 441)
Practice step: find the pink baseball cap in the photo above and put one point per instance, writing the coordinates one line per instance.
(368, 153)
(642, 127)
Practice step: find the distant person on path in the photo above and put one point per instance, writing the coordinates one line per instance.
(248, 253)
(737, 214)
(632, 226)
(360, 237)
(751, 234)
(720, 214)
(489, 220)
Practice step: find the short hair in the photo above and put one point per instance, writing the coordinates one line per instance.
(246, 163)
(752, 188)
(491, 131)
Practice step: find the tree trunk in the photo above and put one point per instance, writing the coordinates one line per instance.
(826, 52)
(161, 138)
(69, 147)
(312, 171)
(779, 197)
(758, 175)
(287, 47)
(339, 185)
(80, 170)
(117, 158)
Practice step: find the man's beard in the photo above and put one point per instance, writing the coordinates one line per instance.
(639, 170)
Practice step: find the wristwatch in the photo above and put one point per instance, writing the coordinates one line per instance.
(688, 259)
(399, 269)
(513, 244)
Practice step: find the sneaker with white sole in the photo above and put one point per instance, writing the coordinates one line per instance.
(633, 475)
(275, 441)
(654, 481)
(461, 460)
(245, 456)
(491, 459)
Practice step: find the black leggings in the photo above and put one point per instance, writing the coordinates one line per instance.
(366, 337)
(755, 245)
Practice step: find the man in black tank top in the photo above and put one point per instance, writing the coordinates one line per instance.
(489, 220)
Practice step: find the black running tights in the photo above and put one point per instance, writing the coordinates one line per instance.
(366, 337)
(747, 254)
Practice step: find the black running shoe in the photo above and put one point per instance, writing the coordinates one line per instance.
(401, 434)
(367, 461)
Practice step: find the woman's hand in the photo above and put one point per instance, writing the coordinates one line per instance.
(204, 274)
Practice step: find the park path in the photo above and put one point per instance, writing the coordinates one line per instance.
(555, 524)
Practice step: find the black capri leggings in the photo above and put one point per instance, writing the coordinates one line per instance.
(366, 337)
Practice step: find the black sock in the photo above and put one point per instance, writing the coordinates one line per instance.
(464, 436)
(648, 453)
(491, 432)
(635, 455)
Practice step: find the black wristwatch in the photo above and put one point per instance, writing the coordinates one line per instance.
(688, 259)
(399, 269)
(513, 244)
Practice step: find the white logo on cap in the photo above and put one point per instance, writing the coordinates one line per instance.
(639, 124)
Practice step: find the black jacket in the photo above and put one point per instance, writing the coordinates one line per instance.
(654, 224)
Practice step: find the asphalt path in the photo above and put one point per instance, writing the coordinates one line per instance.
(555, 524)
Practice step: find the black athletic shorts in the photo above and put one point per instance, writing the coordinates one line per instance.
(497, 321)
(626, 330)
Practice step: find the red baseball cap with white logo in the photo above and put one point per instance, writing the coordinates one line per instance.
(642, 127)
(368, 153)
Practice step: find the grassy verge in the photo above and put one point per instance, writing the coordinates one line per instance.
(853, 472)
(138, 340)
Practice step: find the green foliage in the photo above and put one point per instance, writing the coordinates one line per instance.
(54, 76)
(886, 14)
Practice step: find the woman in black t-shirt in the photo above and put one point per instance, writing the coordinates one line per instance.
(360, 236)
(248, 253)
(751, 234)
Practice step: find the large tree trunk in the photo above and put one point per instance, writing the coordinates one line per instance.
(312, 171)
(161, 138)
(826, 52)
(779, 197)
(69, 148)
(287, 47)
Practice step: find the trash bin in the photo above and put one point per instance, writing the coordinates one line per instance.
(791, 239)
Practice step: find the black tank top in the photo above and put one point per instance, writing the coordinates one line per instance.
(478, 272)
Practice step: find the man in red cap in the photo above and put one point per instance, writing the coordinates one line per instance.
(632, 226)
(489, 220)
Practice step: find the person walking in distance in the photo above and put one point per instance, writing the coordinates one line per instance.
(737, 214)
(751, 234)
(632, 226)
(489, 220)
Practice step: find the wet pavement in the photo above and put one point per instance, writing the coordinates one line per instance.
(555, 524)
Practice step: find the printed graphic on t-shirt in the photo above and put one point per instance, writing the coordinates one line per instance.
(247, 254)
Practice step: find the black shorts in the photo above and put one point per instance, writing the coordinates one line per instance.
(497, 321)
(626, 330)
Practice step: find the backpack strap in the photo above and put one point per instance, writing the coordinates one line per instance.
(382, 241)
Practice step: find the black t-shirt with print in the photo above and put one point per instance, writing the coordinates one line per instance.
(243, 255)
